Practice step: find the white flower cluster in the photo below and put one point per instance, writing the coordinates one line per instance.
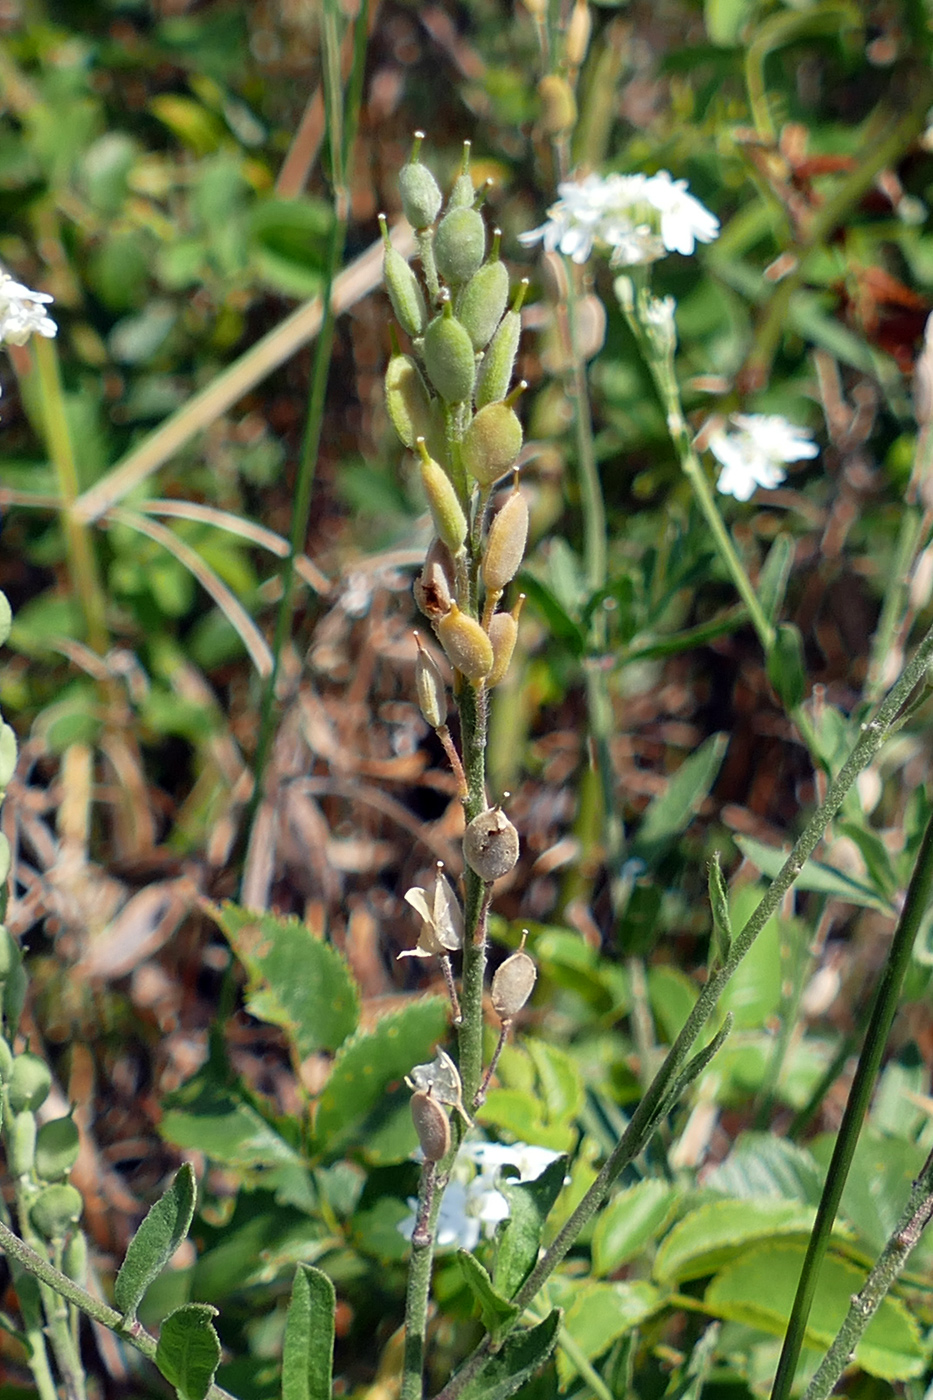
(638, 217)
(753, 455)
(472, 1206)
(22, 312)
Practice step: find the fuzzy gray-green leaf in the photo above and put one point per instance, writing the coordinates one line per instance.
(156, 1240)
(188, 1353)
(308, 1352)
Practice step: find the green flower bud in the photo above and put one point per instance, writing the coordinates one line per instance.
(56, 1210)
(431, 1124)
(7, 753)
(57, 1148)
(491, 443)
(490, 845)
(6, 1062)
(449, 358)
(9, 952)
(459, 245)
(513, 983)
(74, 1259)
(495, 374)
(503, 634)
(461, 196)
(30, 1082)
(430, 687)
(466, 644)
(421, 195)
(21, 1144)
(446, 510)
(505, 543)
(14, 994)
(483, 301)
(402, 285)
(408, 401)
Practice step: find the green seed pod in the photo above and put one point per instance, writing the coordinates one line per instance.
(483, 302)
(431, 1124)
(9, 952)
(461, 196)
(21, 1144)
(430, 687)
(408, 401)
(6, 1062)
(490, 845)
(7, 753)
(57, 1148)
(74, 1259)
(30, 1082)
(434, 588)
(402, 285)
(14, 993)
(503, 633)
(56, 1210)
(446, 510)
(460, 245)
(495, 374)
(421, 195)
(449, 358)
(491, 443)
(513, 984)
(466, 644)
(505, 543)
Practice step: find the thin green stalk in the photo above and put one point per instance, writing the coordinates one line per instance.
(657, 1100)
(796, 977)
(892, 607)
(137, 1336)
(338, 122)
(472, 706)
(417, 1295)
(82, 562)
(577, 1357)
(879, 1027)
(865, 1304)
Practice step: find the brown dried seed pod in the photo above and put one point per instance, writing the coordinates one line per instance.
(513, 984)
(434, 589)
(490, 845)
(431, 1124)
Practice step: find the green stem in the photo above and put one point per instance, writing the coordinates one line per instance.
(892, 607)
(879, 1027)
(473, 704)
(418, 1292)
(865, 1304)
(338, 123)
(591, 494)
(655, 1102)
(60, 1283)
(82, 562)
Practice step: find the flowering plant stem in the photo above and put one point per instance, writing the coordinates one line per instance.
(669, 1081)
(916, 1216)
(879, 1026)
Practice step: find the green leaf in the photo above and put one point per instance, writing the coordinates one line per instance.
(714, 1233)
(560, 1084)
(308, 1350)
(724, 20)
(165, 1226)
(288, 238)
(188, 1353)
(815, 876)
(785, 665)
(517, 1112)
(519, 1237)
(758, 1289)
(496, 1312)
(763, 1165)
(775, 572)
(598, 1313)
(630, 1221)
(204, 1115)
(297, 981)
(560, 624)
(670, 812)
(522, 1354)
(368, 1063)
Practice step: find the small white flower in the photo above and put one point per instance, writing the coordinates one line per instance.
(442, 926)
(754, 455)
(456, 1228)
(684, 220)
(23, 311)
(658, 318)
(636, 217)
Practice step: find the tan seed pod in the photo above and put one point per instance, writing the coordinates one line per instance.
(505, 543)
(490, 845)
(558, 104)
(503, 633)
(577, 38)
(491, 443)
(466, 644)
(460, 245)
(513, 983)
(431, 1124)
(434, 587)
(446, 510)
(430, 687)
